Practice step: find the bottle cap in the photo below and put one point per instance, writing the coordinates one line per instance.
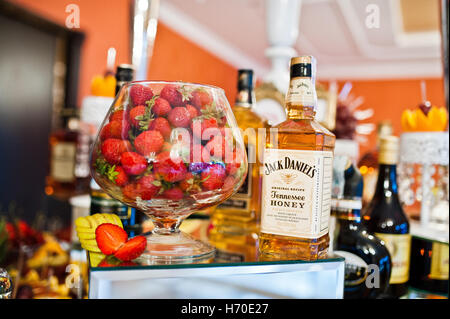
(303, 66)
(389, 147)
(245, 85)
(125, 73)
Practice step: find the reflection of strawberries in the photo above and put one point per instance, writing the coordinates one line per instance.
(115, 129)
(201, 98)
(112, 149)
(173, 194)
(121, 177)
(110, 238)
(148, 142)
(140, 94)
(235, 164)
(204, 127)
(172, 94)
(168, 168)
(133, 163)
(132, 249)
(161, 107)
(213, 177)
(162, 125)
(148, 187)
(135, 112)
(179, 117)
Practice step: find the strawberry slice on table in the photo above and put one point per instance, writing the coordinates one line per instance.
(131, 249)
(110, 238)
(140, 94)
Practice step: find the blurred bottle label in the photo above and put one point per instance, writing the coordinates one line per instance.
(439, 261)
(63, 162)
(399, 247)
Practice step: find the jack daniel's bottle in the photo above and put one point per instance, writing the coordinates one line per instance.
(385, 217)
(297, 175)
(236, 221)
(367, 260)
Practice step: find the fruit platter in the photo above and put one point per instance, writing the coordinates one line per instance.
(169, 149)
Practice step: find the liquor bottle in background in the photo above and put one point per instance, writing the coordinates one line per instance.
(385, 217)
(235, 222)
(368, 164)
(297, 175)
(429, 266)
(67, 175)
(351, 240)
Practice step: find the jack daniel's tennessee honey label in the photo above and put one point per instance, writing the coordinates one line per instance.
(296, 192)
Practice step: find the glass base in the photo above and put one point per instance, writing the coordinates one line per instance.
(175, 248)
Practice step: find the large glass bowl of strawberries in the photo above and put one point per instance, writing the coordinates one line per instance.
(170, 149)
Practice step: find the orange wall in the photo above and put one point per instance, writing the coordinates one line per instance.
(389, 98)
(106, 23)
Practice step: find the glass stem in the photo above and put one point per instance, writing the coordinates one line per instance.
(166, 226)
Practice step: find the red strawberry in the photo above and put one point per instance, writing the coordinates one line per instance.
(117, 116)
(189, 184)
(131, 191)
(135, 112)
(115, 129)
(122, 177)
(162, 125)
(213, 177)
(148, 142)
(218, 147)
(173, 194)
(166, 147)
(229, 183)
(132, 249)
(140, 94)
(235, 163)
(199, 154)
(113, 148)
(192, 110)
(172, 94)
(133, 163)
(148, 187)
(171, 169)
(179, 117)
(161, 107)
(200, 98)
(110, 238)
(205, 128)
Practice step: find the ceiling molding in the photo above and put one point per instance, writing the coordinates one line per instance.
(199, 34)
(376, 52)
(426, 68)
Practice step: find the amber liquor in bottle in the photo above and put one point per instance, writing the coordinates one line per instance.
(236, 221)
(297, 175)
